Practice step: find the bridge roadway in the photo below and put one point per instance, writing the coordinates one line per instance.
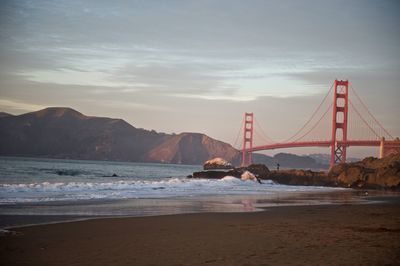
(326, 143)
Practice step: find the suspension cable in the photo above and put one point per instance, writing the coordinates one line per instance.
(263, 134)
(315, 125)
(365, 122)
(312, 116)
(238, 134)
(373, 117)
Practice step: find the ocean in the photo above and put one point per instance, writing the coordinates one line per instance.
(37, 186)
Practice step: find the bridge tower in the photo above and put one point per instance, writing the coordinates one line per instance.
(339, 122)
(247, 139)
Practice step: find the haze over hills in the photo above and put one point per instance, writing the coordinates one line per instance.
(59, 132)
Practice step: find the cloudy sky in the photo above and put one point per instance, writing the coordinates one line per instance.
(197, 66)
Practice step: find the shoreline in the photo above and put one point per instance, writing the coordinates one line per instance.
(348, 234)
(300, 199)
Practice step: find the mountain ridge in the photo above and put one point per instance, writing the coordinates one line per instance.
(62, 132)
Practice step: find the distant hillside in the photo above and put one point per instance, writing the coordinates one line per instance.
(287, 160)
(65, 133)
(191, 148)
(59, 132)
(3, 114)
(323, 158)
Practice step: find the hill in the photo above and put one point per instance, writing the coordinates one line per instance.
(191, 148)
(61, 132)
(66, 133)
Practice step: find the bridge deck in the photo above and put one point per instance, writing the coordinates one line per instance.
(326, 143)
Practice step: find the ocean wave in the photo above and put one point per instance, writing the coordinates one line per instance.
(122, 189)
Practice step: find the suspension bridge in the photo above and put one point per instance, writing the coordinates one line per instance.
(338, 124)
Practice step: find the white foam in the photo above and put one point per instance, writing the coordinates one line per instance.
(229, 178)
(123, 189)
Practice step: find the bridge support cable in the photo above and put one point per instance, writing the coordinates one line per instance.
(346, 117)
(236, 142)
(363, 120)
(262, 133)
(312, 116)
(369, 112)
(315, 125)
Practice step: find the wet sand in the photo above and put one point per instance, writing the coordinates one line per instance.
(366, 234)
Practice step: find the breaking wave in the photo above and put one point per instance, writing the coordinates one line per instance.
(124, 189)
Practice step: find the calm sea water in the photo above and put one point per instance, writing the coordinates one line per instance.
(73, 187)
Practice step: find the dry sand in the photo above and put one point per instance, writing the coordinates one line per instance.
(367, 234)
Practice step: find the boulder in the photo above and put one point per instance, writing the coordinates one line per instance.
(248, 176)
(302, 178)
(217, 163)
(369, 173)
(209, 174)
(259, 170)
(216, 174)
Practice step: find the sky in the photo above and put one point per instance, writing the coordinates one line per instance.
(197, 66)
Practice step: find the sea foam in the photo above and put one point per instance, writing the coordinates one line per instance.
(124, 189)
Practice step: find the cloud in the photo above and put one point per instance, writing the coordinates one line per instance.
(152, 61)
(17, 106)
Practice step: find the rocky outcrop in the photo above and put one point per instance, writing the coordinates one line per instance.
(260, 170)
(248, 176)
(217, 163)
(369, 173)
(214, 174)
(300, 177)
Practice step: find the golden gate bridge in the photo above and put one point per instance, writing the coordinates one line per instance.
(337, 124)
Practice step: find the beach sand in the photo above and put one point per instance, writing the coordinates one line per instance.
(366, 234)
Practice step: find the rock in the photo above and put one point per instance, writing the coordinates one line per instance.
(210, 174)
(370, 173)
(302, 178)
(217, 163)
(259, 170)
(248, 176)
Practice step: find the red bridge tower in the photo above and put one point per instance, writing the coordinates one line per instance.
(247, 139)
(339, 122)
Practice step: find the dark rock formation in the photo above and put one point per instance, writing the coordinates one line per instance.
(286, 177)
(259, 170)
(369, 173)
(215, 174)
(302, 178)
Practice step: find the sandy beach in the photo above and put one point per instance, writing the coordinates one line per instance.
(366, 234)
